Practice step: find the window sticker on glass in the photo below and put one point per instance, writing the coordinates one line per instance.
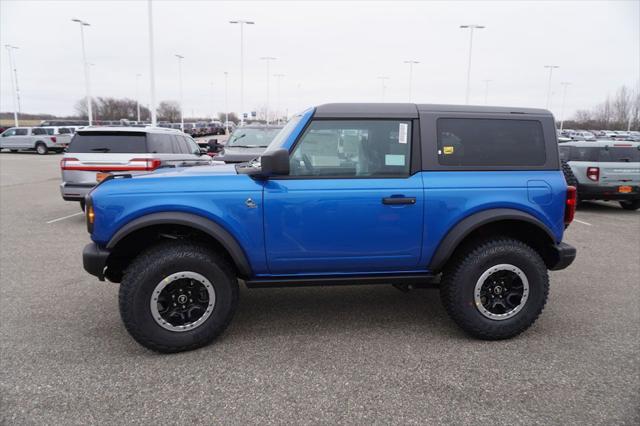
(394, 160)
(402, 132)
(447, 150)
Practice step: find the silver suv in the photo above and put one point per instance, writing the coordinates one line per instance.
(605, 170)
(97, 152)
(38, 138)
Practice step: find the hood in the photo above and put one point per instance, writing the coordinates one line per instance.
(215, 169)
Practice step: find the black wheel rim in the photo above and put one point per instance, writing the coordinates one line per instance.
(501, 292)
(182, 301)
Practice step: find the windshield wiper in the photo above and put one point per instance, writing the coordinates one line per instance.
(101, 149)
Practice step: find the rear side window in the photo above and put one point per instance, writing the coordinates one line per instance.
(64, 131)
(22, 132)
(111, 142)
(604, 154)
(490, 142)
(161, 144)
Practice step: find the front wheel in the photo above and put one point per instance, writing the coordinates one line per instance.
(630, 205)
(495, 290)
(41, 149)
(177, 296)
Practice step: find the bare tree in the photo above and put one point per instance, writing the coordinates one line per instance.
(232, 117)
(112, 109)
(612, 114)
(169, 111)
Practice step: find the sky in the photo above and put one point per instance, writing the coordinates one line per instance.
(328, 51)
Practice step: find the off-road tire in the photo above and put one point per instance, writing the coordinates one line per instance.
(155, 264)
(568, 174)
(42, 149)
(463, 271)
(630, 205)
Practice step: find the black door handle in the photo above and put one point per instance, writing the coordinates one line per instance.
(394, 201)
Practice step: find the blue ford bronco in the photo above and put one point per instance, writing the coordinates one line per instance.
(471, 200)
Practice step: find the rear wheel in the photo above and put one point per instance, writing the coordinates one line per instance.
(177, 296)
(41, 148)
(630, 205)
(495, 290)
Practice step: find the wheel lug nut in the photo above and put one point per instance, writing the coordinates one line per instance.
(183, 306)
(175, 304)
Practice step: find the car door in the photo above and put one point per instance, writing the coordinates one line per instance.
(8, 139)
(351, 202)
(22, 138)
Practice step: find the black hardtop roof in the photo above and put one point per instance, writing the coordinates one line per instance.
(409, 110)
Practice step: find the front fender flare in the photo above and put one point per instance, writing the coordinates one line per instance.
(194, 221)
(463, 228)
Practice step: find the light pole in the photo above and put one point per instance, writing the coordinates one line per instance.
(471, 27)
(226, 101)
(152, 74)
(486, 91)
(384, 86)
(180, 58)
(138, 96)
(13, 73)
(86, 69)
(564, 84)
(268, 59)
(411, 64)
(551, 68)
(278, 78)
(213, 101)
(242, 22)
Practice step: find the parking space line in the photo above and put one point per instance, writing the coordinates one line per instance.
(64, 217)
(584, 223)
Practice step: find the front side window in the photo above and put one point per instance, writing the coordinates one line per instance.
(22, 132)
(490, 142)
(10, 132)
(353, 148)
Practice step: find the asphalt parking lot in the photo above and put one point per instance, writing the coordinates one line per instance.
(367, 354)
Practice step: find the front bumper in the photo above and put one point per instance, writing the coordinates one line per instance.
(94, 260)
(562, 256)
(598, 192)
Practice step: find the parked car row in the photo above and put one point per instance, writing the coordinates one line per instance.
(584, 135)
(200, 128)
(41, 139)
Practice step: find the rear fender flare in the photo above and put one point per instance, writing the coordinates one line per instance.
(462, 229)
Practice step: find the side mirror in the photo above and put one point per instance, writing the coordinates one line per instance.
(275, 163)
(214, 146)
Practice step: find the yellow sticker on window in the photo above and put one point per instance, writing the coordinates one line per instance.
(447, 150)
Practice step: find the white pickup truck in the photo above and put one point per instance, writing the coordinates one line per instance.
(42, 139)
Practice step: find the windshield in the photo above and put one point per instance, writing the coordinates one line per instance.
(284, 133)
(253, 137)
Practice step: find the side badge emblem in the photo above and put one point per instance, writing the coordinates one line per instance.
(250, 203)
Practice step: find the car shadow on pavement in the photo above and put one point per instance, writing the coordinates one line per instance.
(603, 207)
(320, 310)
